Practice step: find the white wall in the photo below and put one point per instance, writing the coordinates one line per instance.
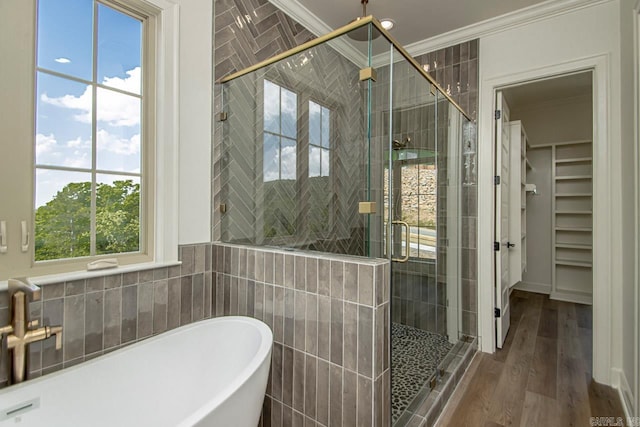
(629, 377)
(195, 91)
(539, 220)
(558, 121)
(580, 39)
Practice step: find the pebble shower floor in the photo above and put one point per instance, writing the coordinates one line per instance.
(415, 355)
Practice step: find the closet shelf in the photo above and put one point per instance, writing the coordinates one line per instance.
(574, 246)
(574, 229)
(575, 160)
(572, 177)
(574, 263)
(574, 212)
(574, 195)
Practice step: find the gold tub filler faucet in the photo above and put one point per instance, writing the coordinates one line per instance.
(21, 332)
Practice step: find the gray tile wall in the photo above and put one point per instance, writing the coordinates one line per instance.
(330, 319)
(102, 314)
(455, 68)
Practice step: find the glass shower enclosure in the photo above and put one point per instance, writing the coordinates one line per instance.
(345, 145)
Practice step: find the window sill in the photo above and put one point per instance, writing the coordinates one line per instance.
(80, 275)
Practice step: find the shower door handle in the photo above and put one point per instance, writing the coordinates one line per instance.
(407, 240)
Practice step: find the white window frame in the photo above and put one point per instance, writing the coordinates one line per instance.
(280, 135)
(320, 146)
(160, 159)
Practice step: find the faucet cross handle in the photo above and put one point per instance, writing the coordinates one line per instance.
(57, 331)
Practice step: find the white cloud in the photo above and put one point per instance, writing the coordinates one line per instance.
(79, 159)
(77, 143)
(114, 108)
(44, 143)
(62, 60)
(82, 103)
(120, 146)
(288, 163)
(131, 83)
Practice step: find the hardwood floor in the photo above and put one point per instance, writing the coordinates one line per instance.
(541, 376)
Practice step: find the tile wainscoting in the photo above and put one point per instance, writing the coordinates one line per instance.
(102, 314)
(330, 318)
(329, 315)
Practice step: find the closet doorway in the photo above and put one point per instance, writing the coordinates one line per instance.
(544, 202)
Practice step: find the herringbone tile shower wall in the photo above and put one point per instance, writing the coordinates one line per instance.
(318, 213)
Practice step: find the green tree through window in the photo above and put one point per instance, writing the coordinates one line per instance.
(62, 224)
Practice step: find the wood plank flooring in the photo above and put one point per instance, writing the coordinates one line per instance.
(541, 376)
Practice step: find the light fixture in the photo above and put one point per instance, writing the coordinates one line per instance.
(387, 23)
(362, 34)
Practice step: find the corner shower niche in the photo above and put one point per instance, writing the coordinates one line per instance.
(347, 147)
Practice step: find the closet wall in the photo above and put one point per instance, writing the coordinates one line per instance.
(547, 123)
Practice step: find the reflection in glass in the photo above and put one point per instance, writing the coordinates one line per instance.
(271, 161)
(314, 123)
(118, 134)
(319, 136)
(63, 122)
(314, 161)
(325, 161)
(280, 133)
(117, 214)
(271, 107)
(326, 129)
(287, 159)
(288, 109)
(119, 49)
(63, 215)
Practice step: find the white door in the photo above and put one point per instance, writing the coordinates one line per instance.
(503, 145)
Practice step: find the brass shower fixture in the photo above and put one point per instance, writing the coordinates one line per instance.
(362, 34)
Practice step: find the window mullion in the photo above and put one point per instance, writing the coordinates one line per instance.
(280, 132)
(94, 130)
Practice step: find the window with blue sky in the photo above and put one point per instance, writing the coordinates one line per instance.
(280, 133)
(88, 120)
(319, 140)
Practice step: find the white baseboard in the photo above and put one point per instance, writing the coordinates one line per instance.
(621, 384)
(577, 298)
(538, 288)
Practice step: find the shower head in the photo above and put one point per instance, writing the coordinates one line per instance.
(362, 34)
(397, 145)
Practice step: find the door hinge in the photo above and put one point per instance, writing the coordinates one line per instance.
(496, 180)
(498, 114)
(496, 246)
(496, 312)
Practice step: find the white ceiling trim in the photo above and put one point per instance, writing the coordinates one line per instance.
(490, 26)
(500, 23)
(318, 27)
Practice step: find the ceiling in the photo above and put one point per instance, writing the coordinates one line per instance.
(549, 90)
(416, 20)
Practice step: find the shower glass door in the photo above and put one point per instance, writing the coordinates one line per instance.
(418, 134)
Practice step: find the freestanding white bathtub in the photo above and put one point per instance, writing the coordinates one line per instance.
(209, 373)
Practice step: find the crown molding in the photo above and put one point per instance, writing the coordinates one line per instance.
(318, 27)
(517, 18)
(500, 23)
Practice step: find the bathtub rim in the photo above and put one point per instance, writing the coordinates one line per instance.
(263, 351)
